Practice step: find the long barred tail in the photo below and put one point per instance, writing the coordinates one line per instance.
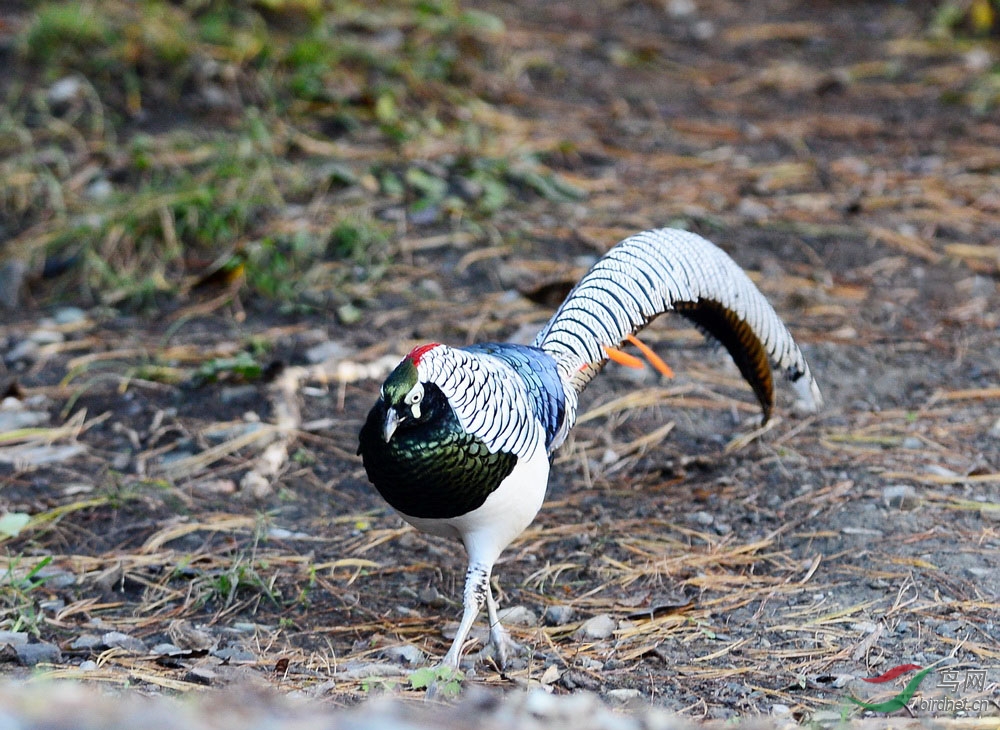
(673, 270)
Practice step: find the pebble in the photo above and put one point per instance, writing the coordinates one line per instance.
(623, 695)
(38, 455)
(702, 518)
(65, 90)
(404, 654)
(69, 315)
(99, 190)
(234, 654)
(22, 419)
(558, 615)
(118, 640)
(47, 337)
(201, 675)
(432, 597)
(912, 442)
(86, 641)
(995, 430)
(550, 675)
(12, 275)
(23, 351)
(237, 393)
(222, 433)
(348, 314)
(901, 496)
(598, 627)
(255, 486)
(214, 487)
(14, 638)
(518, 616)
(166, 649)
(31, 654)
(364, 670)
(329, 350)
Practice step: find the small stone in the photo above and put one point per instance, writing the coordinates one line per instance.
(324, 351)
(118, 640)
(597, 627)
(14, 638)
(622, 695)
(995, 429)
(200, 675)
(86, 641)
(166, 649)
(234, 654)
(365, 670)
(702, 518)
(57, 577)
(12, 275)
(69, 315)
(187, 636)
(31, 654)
(901, 496)
(558, 615)
(550, 675)
(237, 393)
(47, 337)
(518, 616)
(256, 486)
(753, 209)
(88, 665)
(404, 654)
(214, 487)
(99, 190)
(348, 314)
(22, 419)
(432, 597)
(779, 709)
(65, 90)
(681, 8)
(23, 351)
(912, 442)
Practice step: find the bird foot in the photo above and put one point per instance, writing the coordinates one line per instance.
(502, 647)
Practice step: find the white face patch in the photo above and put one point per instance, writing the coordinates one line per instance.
(413, 399)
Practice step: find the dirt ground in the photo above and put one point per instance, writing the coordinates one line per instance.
(833, 151)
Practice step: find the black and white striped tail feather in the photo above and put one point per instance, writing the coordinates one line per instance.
(669, 269)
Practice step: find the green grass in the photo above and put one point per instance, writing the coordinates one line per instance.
(149, 143)
(19, 596)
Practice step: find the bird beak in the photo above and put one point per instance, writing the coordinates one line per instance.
(391, 422)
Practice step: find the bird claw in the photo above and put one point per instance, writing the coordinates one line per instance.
(503, 647)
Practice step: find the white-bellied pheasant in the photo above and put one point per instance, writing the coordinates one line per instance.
(460, 438)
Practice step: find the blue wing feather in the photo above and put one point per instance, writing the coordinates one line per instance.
(541, 376)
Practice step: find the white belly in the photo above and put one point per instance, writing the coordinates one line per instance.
(505, 514)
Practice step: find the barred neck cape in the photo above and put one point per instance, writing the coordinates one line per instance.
(666, 270)
(508, 396)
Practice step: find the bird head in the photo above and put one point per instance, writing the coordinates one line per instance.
(402, 393)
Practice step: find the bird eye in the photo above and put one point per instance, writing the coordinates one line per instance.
(415, 395)
(413, 398)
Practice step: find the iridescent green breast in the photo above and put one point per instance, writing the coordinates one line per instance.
(433, 468)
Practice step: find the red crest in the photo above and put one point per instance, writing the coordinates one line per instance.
(418, 352)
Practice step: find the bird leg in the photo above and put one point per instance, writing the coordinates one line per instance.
(503, 645)
(477, 588)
